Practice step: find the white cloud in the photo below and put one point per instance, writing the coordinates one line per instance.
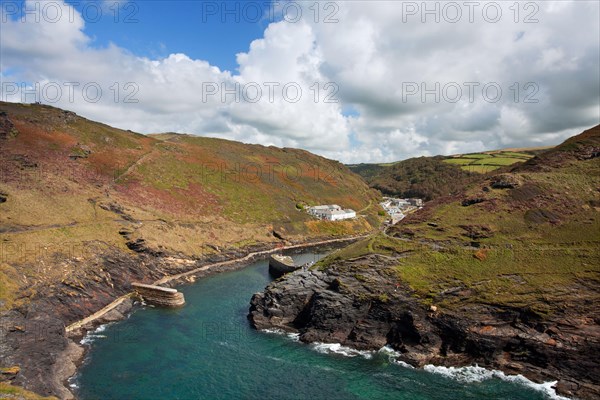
(371, 57)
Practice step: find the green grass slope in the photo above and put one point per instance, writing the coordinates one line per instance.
(529, 238)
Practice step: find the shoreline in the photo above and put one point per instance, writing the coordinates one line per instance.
(177, 279)
(466, 373)
(119, 308)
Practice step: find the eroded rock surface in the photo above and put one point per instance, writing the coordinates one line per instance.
(359, 303)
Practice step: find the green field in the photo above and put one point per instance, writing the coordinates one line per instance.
(486, 162)
(474, 155)
(460, 161)
(481, 169)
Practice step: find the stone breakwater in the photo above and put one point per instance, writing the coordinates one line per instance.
(158, 295)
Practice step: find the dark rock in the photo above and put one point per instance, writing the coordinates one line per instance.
(472, 200)
(505, 181)
(80, 151)
(278, 235)
(42, 345)
(23, 161)
(7, 128)
(139, 246)
(526, 193)
(477, 231)
(117, 209)
(540, 216)
(359, 307)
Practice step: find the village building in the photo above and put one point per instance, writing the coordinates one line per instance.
(398, 208)
(416, 202)
(331, 212)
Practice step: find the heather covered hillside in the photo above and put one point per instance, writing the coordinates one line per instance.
(71, 189)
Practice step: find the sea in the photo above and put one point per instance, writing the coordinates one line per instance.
(208, 350)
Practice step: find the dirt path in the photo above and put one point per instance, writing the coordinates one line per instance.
(132, 166)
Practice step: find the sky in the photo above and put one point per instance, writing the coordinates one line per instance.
(356, 81)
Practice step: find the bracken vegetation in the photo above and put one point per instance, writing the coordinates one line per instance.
(71, 188)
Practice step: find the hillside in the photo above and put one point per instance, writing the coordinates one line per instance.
(505, 274)
(424, 177)
(431, 177)
(70, 185)
(85, 209)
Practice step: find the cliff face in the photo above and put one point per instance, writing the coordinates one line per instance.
(356, 304)
(505, 274)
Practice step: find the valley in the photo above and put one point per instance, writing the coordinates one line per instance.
(496, 270)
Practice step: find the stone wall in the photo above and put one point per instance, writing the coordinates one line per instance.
(158, 295)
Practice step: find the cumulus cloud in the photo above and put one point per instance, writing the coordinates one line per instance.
(440, 80)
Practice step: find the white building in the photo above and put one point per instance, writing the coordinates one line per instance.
(331, 212)
(337, 215)
(318, 210)
(416, 202)
(397, 209)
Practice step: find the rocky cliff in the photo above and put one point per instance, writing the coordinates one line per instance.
(355, 303)
(506, 275)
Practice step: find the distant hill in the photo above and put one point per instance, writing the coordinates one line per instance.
(584, 146)
(424, 177)
(432, 177)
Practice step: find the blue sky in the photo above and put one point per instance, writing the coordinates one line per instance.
(378, 57)
(155, 28)
(189, 27)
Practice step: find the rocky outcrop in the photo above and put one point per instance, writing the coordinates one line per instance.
(7, 128)
(45, 358)
(359, 303)
(505, 181)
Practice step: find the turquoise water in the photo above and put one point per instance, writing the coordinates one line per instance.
(207, 350)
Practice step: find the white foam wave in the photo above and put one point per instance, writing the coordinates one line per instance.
(336, 348)
(91, 336)
(479, 374)
(403, 364)
(393, 356)
(468, 374)
(292, 335)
